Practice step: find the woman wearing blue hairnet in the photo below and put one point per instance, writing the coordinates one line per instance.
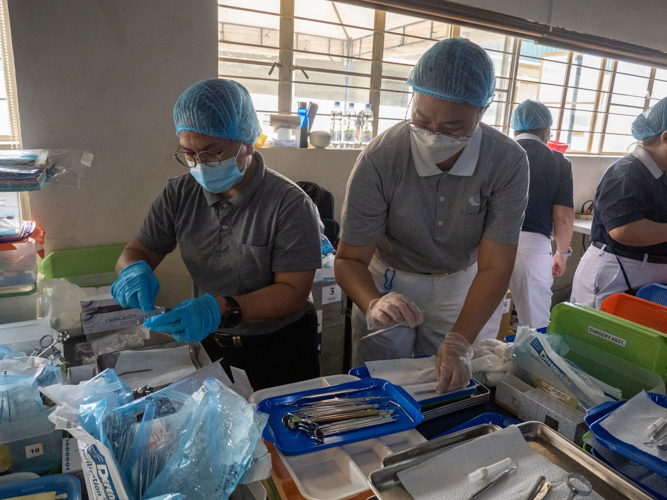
(431, 219)
(629, 233)
(248, 236)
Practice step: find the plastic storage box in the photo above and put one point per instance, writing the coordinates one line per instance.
(90, 266)
(41, 454)
(638, 344)
(62, 484)
(655, 293)
(18, 264)
(25, 320)
(637, 310)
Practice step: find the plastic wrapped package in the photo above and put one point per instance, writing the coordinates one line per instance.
(121, 340)
(31, 169)
(101, 395)
(66, 298)
(541, 356)
(22, 413)
(171, 496)
(18, 260)
(217, 447)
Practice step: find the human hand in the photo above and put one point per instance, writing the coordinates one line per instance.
(190, 321)
(453, 363)
(560, 263)
(136, 288)
(391, 309)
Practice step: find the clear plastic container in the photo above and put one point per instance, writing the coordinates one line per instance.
(25, 320)
(62, 484)
(18, 264)
(40, 454)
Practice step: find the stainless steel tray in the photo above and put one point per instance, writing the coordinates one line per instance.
(544, 440)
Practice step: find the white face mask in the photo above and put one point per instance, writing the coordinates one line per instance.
(436, 148)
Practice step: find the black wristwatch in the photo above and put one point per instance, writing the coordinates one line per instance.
(232, 315)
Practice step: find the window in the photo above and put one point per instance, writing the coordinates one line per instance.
(287, 51)
(10, 136)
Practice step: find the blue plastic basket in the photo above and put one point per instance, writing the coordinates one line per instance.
(655, 293)
(60, 483)
(596, 415)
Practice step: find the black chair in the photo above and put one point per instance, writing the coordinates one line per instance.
(324, 201)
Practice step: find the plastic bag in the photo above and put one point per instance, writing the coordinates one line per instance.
(22, 413)
(533, 353)
(217, 447)
(120, 340)
(171, 496)
(101, 395)
(31, 169)
(142, 451)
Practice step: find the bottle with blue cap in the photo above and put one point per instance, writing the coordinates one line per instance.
(349, 135)
(336, 127)
(366, 134)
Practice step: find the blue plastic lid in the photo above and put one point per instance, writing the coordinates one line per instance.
(351, 105)
(368, 106)
(337, 103)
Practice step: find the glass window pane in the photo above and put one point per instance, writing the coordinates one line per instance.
(384, 124)
(234, 70)
(5, 125)
(486, 39)
(395, 85)
(399, 70)
(334, 12)
(630, 85)
(267, 5)
(394, 105)
(587, 60)
(325, 96)
(618, 143)
(495, 114)
(409, 25)
(584, 78)
(661, 74)
(247, 52)
(248, 27)
(404, 49)
(659, 90)
(332, 63)
(314, 36)
(620, 124)
(332, 79)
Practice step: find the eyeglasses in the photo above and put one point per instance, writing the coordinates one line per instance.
(203, 158)
(425, 132)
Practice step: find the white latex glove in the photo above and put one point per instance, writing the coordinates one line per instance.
(391, 309)
(453, 363)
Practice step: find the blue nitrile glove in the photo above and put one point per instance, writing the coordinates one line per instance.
(190, 321)
(137, 287)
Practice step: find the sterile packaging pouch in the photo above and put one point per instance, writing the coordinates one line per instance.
(217, 447)
(128, 338)
(534, 357)
(171, 496)
(22, 413)
(101, 395)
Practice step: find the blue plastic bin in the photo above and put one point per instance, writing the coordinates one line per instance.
(655, 293)
(60, 483)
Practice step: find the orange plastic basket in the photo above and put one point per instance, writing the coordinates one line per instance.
(640, 311)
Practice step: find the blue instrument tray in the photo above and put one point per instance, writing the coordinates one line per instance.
(296, 443)
(363, 373)
(601, 412)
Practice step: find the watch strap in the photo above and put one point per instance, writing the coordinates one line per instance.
(569, 252)
(233, 314)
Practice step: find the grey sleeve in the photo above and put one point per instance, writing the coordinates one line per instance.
(364, 214)
(296, 244)
(158, 232)
(507, 204)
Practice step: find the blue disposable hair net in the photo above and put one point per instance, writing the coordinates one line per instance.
(219, 108)
(531, 115)
(651, 122)
(455, 70)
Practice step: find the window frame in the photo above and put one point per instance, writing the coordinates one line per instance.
(602, 102)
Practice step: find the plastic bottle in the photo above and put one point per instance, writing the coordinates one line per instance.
(366, 135)
(303, 128)
(350, 126)
(336, 127)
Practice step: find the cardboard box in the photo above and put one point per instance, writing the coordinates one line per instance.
(509, 393)
(561, 417)
(330, 303)
(105, 315)
(504, 329)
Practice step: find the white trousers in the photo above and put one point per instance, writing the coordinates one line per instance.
(530, 285)
(599, 275)
(440, 299)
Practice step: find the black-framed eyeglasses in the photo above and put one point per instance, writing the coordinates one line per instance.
(190, 160)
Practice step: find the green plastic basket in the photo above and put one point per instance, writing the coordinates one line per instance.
(90, 266)
(635, 343)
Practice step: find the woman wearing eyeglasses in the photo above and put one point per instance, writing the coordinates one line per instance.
(432, 217)
(248, 236)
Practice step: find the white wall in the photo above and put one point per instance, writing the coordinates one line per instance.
(640, 22)
(104, 76)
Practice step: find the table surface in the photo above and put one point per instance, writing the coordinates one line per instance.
(582, 226)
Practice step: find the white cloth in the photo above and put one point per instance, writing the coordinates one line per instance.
(530, 284)
(630, 421)
(492, 361)
(416, 375)
(440, 299)
(445, 476)
(598, 276)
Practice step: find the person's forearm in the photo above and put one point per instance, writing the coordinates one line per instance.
(130, 256)
(268, 304)
(641, 233)
(563, 230)
(356, 281)
(487, 290)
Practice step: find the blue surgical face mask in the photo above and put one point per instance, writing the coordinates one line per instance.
(218, 179)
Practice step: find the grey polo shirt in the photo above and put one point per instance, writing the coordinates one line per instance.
(233, 247)
(429, 221)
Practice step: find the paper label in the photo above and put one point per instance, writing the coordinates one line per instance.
(34, 450)
(606, 336)
(557, 393)
(71, 457)
(506, 305)
(331, 294)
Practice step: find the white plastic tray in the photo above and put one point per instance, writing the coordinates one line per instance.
(24, 320)
(338, 473)
(315, 383)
